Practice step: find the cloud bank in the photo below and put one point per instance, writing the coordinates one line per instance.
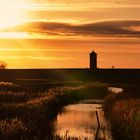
(115, 28)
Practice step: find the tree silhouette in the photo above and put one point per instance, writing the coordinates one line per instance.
(3, 65)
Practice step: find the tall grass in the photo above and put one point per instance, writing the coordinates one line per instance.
(124, 116)
(9, 86)
(30, 115)
(12, 129)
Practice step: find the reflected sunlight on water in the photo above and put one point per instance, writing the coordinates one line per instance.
(115, 90)
(79, 121)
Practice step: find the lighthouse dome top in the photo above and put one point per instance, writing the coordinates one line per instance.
(93, 52)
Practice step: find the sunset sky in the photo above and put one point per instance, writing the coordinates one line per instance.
(61, 33)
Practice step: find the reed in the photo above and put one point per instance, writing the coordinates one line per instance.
(124, 115)
(30, 115)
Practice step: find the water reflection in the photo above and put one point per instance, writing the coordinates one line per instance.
(79, 121)
(115, 90)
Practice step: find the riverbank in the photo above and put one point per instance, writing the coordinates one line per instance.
(28, 115)
(123, 112)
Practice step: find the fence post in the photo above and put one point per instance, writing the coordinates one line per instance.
(98, 128)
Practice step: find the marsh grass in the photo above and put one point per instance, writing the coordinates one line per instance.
(9, 86)
(124, 116)
(12, 128)
(30, 115)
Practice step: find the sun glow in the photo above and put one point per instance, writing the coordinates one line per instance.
(11, 13)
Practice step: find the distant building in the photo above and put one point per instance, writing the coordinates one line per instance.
(93, 60)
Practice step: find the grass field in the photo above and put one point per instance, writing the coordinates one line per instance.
(29, 114)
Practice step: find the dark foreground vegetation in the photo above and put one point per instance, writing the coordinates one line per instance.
(123, 113)
(28, 114)
(28, 107)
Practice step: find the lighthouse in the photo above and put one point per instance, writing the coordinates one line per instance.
(93, 60)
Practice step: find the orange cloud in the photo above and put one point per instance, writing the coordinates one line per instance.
(111, 28)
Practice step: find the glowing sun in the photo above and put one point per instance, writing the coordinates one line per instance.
(10, 13)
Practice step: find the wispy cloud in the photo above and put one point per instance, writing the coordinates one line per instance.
(115, 28)
(37, 58)
(77, 5)
(87, 1)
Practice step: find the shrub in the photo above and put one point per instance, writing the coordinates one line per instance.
(3, 65)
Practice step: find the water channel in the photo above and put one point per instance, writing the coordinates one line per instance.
(78, 121)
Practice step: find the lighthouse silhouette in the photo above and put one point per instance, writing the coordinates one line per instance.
(93, 60)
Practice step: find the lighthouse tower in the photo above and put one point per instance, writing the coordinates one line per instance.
(93, 60)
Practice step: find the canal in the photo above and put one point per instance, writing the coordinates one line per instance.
(79, 121)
